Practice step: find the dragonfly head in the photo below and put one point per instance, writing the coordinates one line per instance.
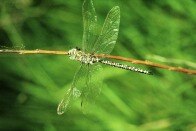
(74, 53)
(78, 55)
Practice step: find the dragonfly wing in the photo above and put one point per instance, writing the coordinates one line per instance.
(90, 25)
(92, 88)
(75, 90)
(65, 102)
(86, 84)
(109, 33)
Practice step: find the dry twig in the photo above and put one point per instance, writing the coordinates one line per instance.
(131, 60)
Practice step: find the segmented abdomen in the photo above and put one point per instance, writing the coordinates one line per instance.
(126, 67)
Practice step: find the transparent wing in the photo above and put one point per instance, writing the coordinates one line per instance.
(86, 84)
(109, 33)
(75, 90)
(90, 25)
(92, 88)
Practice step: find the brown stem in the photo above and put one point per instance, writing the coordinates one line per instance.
(131, 60)
(37, 51)
(148, 63)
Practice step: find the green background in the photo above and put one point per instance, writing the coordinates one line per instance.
(32, 86)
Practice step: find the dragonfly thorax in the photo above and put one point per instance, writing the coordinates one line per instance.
(78, 55)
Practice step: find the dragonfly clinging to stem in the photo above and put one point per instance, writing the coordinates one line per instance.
(85, 84)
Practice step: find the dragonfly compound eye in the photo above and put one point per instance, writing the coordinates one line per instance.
(77, 48)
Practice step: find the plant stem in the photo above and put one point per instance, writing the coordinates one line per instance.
(131, 60)
(37, 51)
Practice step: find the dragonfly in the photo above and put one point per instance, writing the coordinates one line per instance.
(86, 85)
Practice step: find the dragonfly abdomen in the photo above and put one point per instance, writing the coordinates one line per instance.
(126, 67)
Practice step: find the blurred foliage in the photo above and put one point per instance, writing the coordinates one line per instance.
(32, 86)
